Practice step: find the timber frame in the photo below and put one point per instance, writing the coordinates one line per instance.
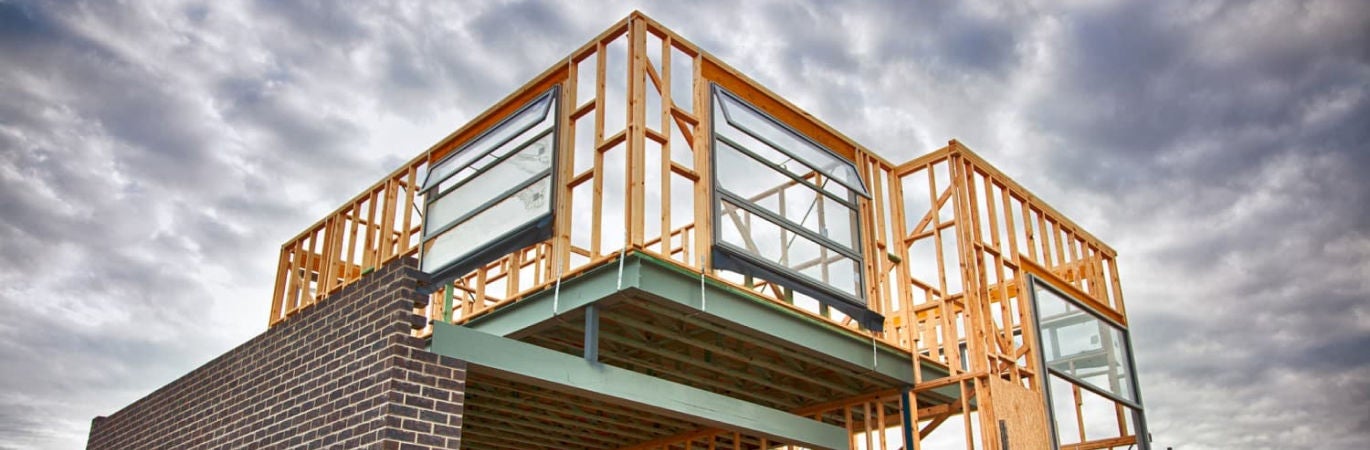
(950, 243)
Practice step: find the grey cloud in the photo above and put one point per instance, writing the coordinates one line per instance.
(108, 366)
(322, 24)
(1137, 94)
(118, 189)
(951, 39)
(257, 104)
(522, 20)
(20, 427)
(824, 43)
(1223, 159)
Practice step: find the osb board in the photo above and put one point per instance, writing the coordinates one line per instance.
(1023, 412)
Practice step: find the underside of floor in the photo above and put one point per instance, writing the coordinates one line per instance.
(644, 350)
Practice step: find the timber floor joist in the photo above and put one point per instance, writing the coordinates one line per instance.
(640, 330)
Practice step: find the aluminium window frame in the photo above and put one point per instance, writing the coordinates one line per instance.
(1139, 427)
(553, 93)
(530, 232)
(859, 188)
(729, 257)
(533, 179)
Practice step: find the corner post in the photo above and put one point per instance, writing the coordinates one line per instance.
(591, 344)
(637, 132)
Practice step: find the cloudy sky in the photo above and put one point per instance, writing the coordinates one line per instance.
(154, 156)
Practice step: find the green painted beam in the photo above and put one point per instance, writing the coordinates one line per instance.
(542, 367)
(663, 282)
(645, 276)
(576, 292)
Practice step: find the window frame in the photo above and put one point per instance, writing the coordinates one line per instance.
(728, 256)
(1137, 408)
(531, 231)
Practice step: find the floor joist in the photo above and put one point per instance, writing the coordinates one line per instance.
(539, 366)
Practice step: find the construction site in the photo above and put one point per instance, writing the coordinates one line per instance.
(643, 248)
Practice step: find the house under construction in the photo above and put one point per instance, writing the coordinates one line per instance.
(642, 248)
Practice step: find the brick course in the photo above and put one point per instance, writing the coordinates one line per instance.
(345, 373)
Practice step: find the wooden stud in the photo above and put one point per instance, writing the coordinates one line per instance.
(637, 125)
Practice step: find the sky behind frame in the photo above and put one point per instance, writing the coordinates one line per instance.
(154, 156)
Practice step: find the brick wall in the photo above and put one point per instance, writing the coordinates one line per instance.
(344, 373)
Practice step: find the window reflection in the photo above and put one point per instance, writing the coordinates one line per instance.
(512, 213)
(1090, 375)
(1079, 345)
(743, 118)
(786, 209)
(538, 112)
(494, 182)
(492, 192)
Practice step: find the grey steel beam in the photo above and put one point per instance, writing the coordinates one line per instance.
(539, 366)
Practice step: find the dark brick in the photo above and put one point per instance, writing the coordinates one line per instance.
(344, 372)
(431, 440)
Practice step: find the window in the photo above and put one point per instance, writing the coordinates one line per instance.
(1091, 377)
(493, 195)
(785, 209)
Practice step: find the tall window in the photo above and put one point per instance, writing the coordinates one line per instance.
(1091, 377)
(785, 209)
(493, 195)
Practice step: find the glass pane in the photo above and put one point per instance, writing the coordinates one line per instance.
(1100, 416)
(1082, 346)
(814, 156)
(839, 222)
(513, 213)
(842, 272)
(762, 238)
(533, 160)
(744, 176)
(785, 161)
(492, 157)
(538, 111)
(1063, 411)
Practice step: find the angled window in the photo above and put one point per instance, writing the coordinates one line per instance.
(1092, 380)
(785, 209)
(493, 195)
